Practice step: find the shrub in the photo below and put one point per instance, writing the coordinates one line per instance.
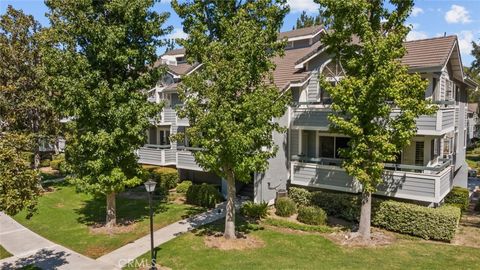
(203, 195)
(300, 196)
(428, 223)
(312, 215)
(254, 210)
(342, 205)
(45, 162)
(55, 164)
(183, 186)
(285, 207)
(166, 178)
(458, 196)
(477, 206)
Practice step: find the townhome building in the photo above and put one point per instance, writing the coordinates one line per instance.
(308, 156)
(473, 126)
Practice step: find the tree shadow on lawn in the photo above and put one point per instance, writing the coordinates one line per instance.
(128, 210)
(243, 227)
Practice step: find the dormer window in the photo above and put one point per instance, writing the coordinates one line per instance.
(180, 59)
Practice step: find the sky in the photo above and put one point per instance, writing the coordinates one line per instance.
(429, 18)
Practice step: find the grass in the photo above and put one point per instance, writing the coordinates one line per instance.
(296, 226)
(310, 251)
(4, 253)
(473, 158)
(65, 217)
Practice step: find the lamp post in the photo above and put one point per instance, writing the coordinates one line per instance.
(150, 187)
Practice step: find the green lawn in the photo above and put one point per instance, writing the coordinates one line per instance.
(473, 158)
(285, 250)
(3, 253)
(65, 217)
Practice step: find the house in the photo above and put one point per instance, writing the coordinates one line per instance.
(472, 123)
(307, 156)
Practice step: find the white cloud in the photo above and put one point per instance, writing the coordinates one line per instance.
(302, 5)
(457, 14)
(177, 33)
(414, 35)
(417, 11)
(465, 39)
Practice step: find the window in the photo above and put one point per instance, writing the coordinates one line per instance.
(340, 142)
(164, 137)
(419, 146)
(434, 148)
(327, 147)
(152, 135)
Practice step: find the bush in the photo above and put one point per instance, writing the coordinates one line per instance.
(458, 196)
(341, 205)
(55, 164)
(254, 210)
(300, 196)
(203, 195)
(285, 207)
(166, 178)
(312, 215)
(45, 162)
(297, 226)
(428, 223)
(183, 186)
(477, 206)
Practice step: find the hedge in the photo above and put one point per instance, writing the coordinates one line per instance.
(203, 195)
(254, 210)
(428, 223)
(166, 178)
(183, 186)
(285, 207)
(342, 205)
(458, 196)
(300, 196)
(312, 215)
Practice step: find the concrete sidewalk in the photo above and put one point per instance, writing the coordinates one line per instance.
(129, 252)
(30, 248)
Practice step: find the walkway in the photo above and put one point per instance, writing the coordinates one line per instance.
(29, 248)
(129, 252)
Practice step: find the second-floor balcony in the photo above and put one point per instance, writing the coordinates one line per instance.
(154, 154)
(315, 117)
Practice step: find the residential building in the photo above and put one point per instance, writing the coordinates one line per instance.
(308, 153)
(472, 123)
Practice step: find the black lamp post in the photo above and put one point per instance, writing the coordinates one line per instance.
(150, 187)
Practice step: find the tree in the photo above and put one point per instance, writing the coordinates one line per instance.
(25, 104)
(375, 83)
(19, 187)
(306, 21)
(231, 101)
(475, 68)
(101, 55)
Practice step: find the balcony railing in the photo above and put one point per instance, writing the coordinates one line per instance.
(157, 155)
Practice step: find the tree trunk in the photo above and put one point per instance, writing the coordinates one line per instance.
(365, 216)
(230, 208)
(111, 211)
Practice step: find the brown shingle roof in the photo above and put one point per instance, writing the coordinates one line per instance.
(301, 32)
(175, 51)
(425, 53)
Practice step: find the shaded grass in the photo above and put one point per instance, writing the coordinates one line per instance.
(310, 251)
(4, 253)
(296, 226)
(64, 217)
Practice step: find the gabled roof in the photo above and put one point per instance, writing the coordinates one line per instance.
(307, 31)
(178, 51)
(428, 53)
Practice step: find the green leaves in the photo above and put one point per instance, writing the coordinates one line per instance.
(231, 101)
(100, 56)
(376, 87)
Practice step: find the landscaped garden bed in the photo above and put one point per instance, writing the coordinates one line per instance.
(75, 220)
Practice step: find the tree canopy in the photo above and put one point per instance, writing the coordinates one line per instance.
(306, 21)
(231, 100)
(101, 55)
(366, 38)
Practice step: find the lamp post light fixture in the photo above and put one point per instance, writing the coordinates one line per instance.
(150, 187)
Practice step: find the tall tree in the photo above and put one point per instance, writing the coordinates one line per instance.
(475, 68)
(306, 21)
(375, 84)
(231, 101)
(25, 105)
(101, 56)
